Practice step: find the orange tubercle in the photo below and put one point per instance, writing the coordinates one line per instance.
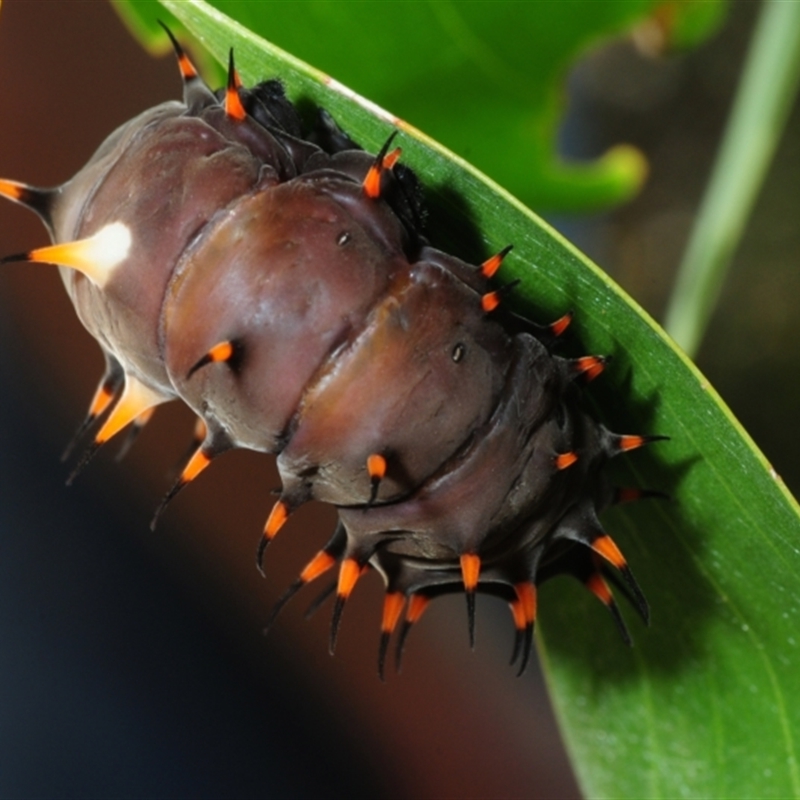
(470, 570)
(417, 604)
(526, 594)
(186, 67)
(590, 366)
(372, 182)
(518, 612)
(604, 546)
(95, 256)
(376, 466)
(565, 460)
(233, 105)
(490, 301)
(599, 588)
(491, 265)
(393, 604)
(349, 573)
(390, 159)
(276, 520)
(318, 565)
(12, 190)
(100, 401)
(197, 463)
(221, 352)
(631, 442)
(135, 400)
(561, 324)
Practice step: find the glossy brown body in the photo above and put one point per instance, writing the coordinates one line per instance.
(352, 338)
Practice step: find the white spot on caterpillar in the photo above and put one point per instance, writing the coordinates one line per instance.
(106, 250)
(96, 256)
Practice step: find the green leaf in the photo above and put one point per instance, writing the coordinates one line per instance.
(483, 86)
(707, 703)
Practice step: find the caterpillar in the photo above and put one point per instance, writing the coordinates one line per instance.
(277, 279)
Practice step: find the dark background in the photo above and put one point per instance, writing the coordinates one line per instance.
(132, 663)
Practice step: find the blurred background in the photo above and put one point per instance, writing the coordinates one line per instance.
(132, 662)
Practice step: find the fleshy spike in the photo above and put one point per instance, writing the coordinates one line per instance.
(393, 604)
(227, 351)
(97, 256)
(372, 180)
(390, 159)
(491, 265)
(197, 463)
(565, 460)
(187, 69)
(376, 467)
(136, 399)
(589, 367)
(526, 594)
(470, 572)
(233, 103)
(417, 603)
(599, 588)
(107, 390)
(334, 548)
(196, 94)
(349, 573)
(624, 443)
(37, 200)
(604, 546)
(276, 520)
(491, 300)
(318, 565)
(558, 327)
(198, 437)
(105, 393)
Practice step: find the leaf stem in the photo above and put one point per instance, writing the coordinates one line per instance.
(763, 102)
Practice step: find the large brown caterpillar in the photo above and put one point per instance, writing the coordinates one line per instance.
(277, 280)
